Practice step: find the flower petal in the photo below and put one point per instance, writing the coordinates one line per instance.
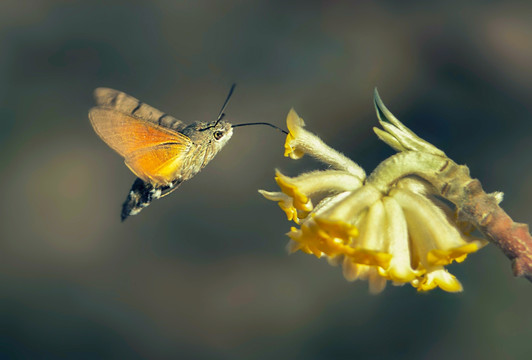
(338, 229)
(439, 277)
(459, 254)
(301, 201)
(285, 203)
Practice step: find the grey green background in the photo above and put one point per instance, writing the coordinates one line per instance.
(203, 274)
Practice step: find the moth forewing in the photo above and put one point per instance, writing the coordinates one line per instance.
(127, 104)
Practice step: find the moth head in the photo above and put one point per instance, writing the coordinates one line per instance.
(220, 132)
(215, 134)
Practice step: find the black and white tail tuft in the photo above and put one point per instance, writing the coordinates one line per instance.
(142, 194)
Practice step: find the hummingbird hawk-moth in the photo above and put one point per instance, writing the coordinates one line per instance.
(159, 149)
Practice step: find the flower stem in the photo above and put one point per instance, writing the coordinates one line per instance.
(512, 238)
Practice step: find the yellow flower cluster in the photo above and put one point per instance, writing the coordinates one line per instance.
(402, 231)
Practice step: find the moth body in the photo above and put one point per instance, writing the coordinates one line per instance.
(159, 149)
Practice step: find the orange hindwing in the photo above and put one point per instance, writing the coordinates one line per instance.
(155, 154)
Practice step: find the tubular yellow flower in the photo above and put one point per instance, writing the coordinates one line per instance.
(392, 226)
(300, 142)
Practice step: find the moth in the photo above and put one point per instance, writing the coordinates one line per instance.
(159, 149)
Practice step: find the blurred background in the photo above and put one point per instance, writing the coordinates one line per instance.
(203, 273)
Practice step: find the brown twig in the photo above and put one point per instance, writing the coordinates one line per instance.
(512, 238)
(483, 211)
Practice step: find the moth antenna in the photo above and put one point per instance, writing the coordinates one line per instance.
(221, 114)
(262, 123)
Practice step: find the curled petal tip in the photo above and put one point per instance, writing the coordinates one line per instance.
(396, 134)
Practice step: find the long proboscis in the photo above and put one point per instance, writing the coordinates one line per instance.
(262, 123)
(222, 114)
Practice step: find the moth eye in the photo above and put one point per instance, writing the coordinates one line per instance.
(218, 135)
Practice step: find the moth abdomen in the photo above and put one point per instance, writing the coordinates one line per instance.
(142, 194)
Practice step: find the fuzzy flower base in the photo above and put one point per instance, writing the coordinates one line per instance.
(394, 225)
